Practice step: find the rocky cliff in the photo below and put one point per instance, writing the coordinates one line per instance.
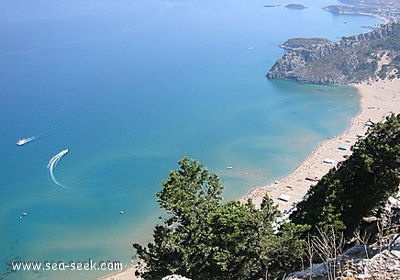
(352, 59)
(379, 260)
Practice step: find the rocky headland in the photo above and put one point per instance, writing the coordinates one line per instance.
(368, 56)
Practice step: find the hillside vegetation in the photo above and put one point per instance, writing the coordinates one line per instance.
(357, 185)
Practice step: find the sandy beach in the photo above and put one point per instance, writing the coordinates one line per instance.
(377, 100)
(127, 274)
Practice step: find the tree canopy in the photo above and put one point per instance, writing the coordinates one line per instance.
(204, 238)
(359, 184)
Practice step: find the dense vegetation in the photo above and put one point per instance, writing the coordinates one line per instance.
(358, 185)
(202, 237)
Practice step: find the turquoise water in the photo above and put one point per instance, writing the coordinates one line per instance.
(129, 87)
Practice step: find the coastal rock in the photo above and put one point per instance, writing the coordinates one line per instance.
(368, 56)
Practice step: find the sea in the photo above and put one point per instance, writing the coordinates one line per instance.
(130, 87)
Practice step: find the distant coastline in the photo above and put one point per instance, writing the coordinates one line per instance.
(296, 6)
(387, 11)
(272, 6)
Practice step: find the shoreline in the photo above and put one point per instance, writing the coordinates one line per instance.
(128, 273)
(383, 18)
(377, 100)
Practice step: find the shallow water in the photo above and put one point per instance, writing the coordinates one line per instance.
(130, 87)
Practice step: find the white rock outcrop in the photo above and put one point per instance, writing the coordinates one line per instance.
(175, 277)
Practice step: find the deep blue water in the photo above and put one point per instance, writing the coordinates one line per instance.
(130, 87)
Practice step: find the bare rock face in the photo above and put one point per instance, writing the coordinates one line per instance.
(350, 60)
(383, 265)
(175, 277)
(380, 260)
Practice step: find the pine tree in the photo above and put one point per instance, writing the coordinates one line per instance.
(203, 238)
(358, 185)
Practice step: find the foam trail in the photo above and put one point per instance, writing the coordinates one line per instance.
(53, 163)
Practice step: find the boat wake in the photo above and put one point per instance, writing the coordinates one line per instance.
(53, 163)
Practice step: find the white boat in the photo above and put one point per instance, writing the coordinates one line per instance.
(23, 141)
